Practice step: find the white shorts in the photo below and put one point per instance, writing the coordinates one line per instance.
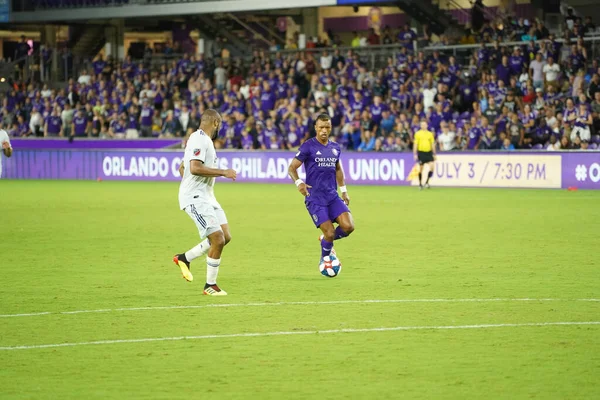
(208, 217)
(584, 133)
(131, 134)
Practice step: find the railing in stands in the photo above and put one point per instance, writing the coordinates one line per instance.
(32, 5)
(372, 57)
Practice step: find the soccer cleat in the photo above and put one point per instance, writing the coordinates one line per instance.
(420, 187)
(184, 267)
(332, 249)
(213, 290)
(427, 186)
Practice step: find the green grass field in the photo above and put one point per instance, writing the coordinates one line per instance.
(506, 258)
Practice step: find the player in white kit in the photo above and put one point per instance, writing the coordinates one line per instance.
(5, 145)
(197, 199)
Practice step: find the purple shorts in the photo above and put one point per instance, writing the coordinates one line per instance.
(321, 214)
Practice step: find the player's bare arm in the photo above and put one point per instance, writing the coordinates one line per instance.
(341, 182)
(293, 173)
(415, 146)
(6, 149)
(181, 170)
(198, 168)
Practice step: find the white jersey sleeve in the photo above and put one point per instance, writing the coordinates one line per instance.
(197, 147)
(4, 137)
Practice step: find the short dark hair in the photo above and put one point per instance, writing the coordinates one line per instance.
(323, 117)
(210, 115)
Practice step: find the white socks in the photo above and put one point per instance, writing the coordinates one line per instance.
(212, 270)
(197, 251)
(212, 264)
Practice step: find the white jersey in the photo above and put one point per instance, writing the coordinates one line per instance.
(197, 189)
(3, 138)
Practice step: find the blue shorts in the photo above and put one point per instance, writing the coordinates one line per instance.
(321, 214)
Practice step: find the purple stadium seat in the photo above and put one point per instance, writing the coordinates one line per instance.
(595, 139)
(593, 146)
(538, 147)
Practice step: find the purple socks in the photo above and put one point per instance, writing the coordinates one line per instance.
(326, 248)
(339, 233)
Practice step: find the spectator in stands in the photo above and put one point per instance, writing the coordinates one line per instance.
(326, 61)
(446, 139)
(589, 27)
(220, 75)
(477, 16)
(171, 127)
(373, 39)
(387, 36)
(36, 123)
(67, 119)
(493, 87)
(22, 50)
(570, 19)
(84, 78)
(551, 71)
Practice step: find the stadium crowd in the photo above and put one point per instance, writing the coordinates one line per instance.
(542, 94)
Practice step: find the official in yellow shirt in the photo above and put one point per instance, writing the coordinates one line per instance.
(424, 152)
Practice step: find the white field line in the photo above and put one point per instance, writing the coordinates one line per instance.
(284, 303)
(290, 333)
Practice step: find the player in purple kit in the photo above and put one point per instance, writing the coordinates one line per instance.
(324, 173)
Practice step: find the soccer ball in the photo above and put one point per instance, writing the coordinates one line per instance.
(330, 266)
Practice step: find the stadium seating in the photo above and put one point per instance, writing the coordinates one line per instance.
(279, 93)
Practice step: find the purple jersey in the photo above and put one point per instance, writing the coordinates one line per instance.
(320, 162)
(394, 85)
(293, 138)
(482, 56)
(343, 91)
(54, 125)
(23, 129)
(267, 101)
(132, 122)
(453, 68)
(238, 128)
(80, 124)
(582, 119)
(503, 73)
(404, 100)
(435, 120)
(358, 105)
(570, 115)
(515, 64)
(273, 144)
(98, 66)
(282, 89)
(117, 127)
(474, 135)
(376, 112)
(247, 142)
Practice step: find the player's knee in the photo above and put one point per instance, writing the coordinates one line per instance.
(227, 237)
(217, 240)
(329, 235)
(348, 227)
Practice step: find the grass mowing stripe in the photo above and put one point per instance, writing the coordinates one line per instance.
(284, 303)
(289, 333)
